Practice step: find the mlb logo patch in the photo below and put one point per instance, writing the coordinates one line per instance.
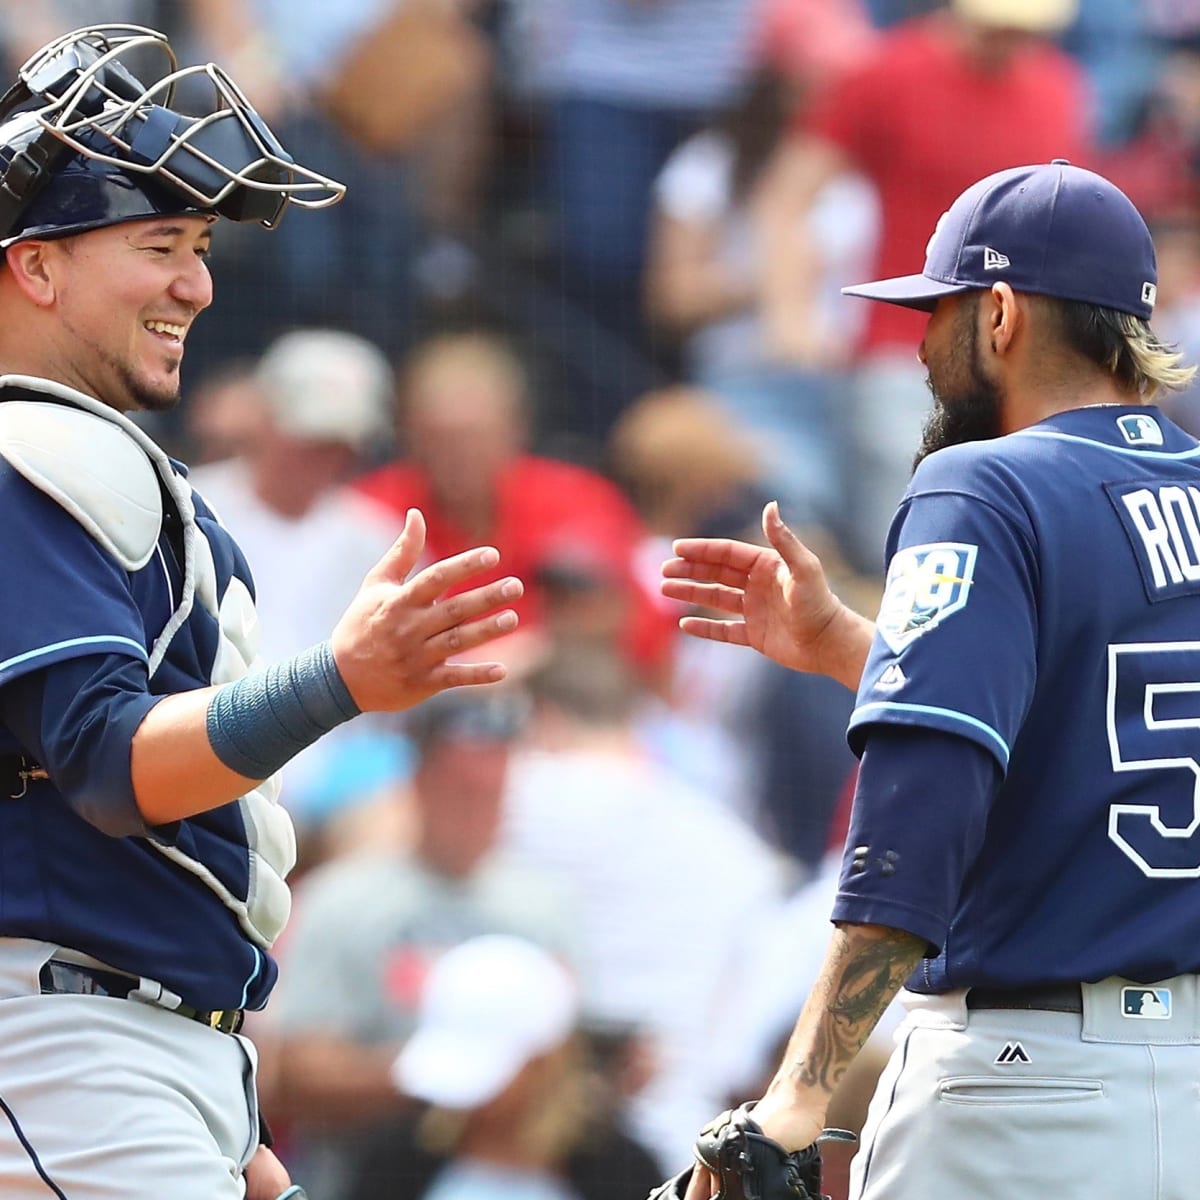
(925, 585)
(1140, 430)
(1145, 1003)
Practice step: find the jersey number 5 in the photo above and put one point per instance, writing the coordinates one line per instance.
(1153, 714)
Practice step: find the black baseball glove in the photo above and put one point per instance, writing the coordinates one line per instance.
(751, 1166)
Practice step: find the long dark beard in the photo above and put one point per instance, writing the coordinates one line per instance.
(966, 413)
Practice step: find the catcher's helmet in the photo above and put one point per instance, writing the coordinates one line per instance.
(84, 143)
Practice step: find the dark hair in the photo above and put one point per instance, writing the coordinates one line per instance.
(1123, 345)
(754, 125)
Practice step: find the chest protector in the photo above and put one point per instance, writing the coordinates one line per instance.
(114, 480)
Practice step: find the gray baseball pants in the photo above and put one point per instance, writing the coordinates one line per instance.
(107, 1099)
(988, 1104)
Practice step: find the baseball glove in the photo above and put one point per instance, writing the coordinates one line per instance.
(751, 1166)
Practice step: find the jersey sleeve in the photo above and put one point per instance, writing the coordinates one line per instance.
(77, 717)
(955, 644)
(921, 803)
(61, 595)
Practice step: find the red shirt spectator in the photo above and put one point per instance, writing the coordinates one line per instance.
(462, 420)
(937, 104)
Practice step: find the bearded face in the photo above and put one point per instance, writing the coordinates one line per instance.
(966, 403)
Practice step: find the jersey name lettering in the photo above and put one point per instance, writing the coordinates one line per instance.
(1163, 523)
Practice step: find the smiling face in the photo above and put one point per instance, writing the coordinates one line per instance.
(124, 298)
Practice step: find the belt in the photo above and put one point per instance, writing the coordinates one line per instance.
(1050, 997)
(60, 978)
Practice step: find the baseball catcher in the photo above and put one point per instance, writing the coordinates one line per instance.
(748, 1165)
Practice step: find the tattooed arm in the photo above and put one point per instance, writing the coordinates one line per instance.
(865, 966)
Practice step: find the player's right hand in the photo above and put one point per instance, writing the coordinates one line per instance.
(393, 644)
(779, 596)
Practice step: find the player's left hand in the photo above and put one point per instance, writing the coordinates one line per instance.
(778, 597)
(266, 1177)
(394, 643)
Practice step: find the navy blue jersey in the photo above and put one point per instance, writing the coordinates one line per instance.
(78, 866)
(1042, 611)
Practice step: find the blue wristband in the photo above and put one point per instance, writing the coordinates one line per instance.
(263, 721)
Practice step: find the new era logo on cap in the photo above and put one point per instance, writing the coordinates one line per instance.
(1066, 232)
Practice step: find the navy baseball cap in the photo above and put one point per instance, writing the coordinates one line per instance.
(1053, 229)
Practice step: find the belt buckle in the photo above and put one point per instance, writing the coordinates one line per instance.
(226, 1020)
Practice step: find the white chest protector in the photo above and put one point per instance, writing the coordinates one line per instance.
(106, 473)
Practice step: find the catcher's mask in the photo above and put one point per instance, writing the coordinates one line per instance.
(85, 143)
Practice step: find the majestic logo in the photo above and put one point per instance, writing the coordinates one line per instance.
(1013, 1052)
(993, 260)
(892, 678)
(1145, 1003)
(1140, 430)
(925, 585)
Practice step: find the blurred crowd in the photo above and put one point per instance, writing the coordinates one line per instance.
(583, 298)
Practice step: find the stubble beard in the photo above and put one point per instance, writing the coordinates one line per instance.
(139, 395)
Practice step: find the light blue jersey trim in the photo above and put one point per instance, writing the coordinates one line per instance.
(1130, 450)
(258, 966)
(883, 706)
(55, 647)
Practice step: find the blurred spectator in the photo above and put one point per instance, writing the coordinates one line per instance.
(224, 414)
(711, 276)
(809, 41)
(942, 100)
(623, 83)
(684, 463)
(26, 27)
(768, 742)
(639, 849)
(368, 928)
(1110, 39)
(499, 1057)
(1159, 168)
(1172, 18)
(1177, 310)
(323, 398)
(317, 399)
(464, 423)
(392, 98)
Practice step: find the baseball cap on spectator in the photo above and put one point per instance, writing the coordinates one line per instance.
(488, 1006)
(1053, 230)
(327, 385)
(1026, 16)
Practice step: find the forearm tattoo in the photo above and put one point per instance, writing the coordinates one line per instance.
(862, 975)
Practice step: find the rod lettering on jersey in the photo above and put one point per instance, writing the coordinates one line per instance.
(1167, 521)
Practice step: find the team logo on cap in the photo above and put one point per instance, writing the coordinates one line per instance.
(933, 236)
(993, 260)
(1146, 1003)
(925, 585)
(1140, 430)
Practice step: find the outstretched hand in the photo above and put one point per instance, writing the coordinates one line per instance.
(394, 643)
(779, 598)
